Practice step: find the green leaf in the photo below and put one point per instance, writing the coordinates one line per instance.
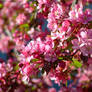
(66, 83)
(61, 58)
(1, 5)
(16, 67)
(32, 17)
(37, 65)
(24, 26)
(13, 30)
(76, 63)
(34, 60)
(33, 88)
(32, 4)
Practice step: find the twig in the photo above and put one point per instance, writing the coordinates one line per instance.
(11, 37)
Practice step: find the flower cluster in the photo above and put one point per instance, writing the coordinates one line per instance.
(45, 40)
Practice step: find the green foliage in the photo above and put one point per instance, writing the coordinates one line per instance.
(16, 67)
(24, 26)
(33, 88)
(32, 17)
(34, 60)
(76, 63)
(60, 58)
(1, 5)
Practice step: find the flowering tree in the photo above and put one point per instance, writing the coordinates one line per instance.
(38, 54)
